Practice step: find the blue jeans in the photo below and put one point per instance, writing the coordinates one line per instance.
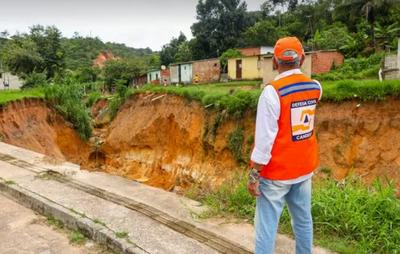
(269, 208)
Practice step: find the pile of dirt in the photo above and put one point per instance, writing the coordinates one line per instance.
(172, 143)
(161, 143)
(31, 124)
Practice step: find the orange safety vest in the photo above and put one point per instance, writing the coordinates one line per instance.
(295, 150)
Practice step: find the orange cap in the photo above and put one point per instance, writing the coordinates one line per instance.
(288, 49)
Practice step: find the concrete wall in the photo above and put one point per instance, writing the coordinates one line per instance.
(174, 74)
(391, 67)
(269, 74)
(206, 71)
(322, 61)
(186, 73)
(14, 81)
(251, 67)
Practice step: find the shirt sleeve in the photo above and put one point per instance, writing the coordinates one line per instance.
(268, 112)
(320, 86)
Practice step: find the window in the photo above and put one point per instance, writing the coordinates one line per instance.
(156, 76)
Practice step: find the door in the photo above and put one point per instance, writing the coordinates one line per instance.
(238, 69)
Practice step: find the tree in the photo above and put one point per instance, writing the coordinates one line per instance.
(219, 25)
(333, 37)
(183, 53)
(169, 51)
(122, 71)
(263, 33)
(48, 43)
(230, 53)
(21, 56)
(386, 36)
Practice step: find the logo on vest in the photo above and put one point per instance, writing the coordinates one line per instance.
(302, 119)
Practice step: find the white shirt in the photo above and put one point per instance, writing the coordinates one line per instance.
(268, 113)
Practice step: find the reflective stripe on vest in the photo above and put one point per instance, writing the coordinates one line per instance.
(295, 150)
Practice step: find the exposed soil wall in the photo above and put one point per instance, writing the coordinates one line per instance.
(172, 143)
(31, 124)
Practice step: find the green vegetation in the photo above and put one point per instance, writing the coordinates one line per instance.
(100, 222)
(121, 234)
(229, 96)
(358, 218)
(118, 99)
(12, 95)
(366, 90)
(67, 99)
(10, 182)
(77, 237)
(55, 223)
(356, 28)
(355, 68)
(236, 98)
(235, 142)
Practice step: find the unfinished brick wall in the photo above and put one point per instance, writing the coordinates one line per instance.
(322, 61)
(206, 71)
(250, 51)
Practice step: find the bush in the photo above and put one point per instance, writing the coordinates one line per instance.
(119, 99)
(67, 100)
(93, 98)
(355, 68)
(34, 79)
(360, 89)
(235, 142)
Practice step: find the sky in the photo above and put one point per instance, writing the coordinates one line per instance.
(137, 23)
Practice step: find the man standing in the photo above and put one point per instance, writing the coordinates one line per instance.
(285, 153)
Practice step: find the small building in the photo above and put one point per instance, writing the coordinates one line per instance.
(153, 76)
(9, 81)
(103, 57)
(257, 63)
(249, 65)
(139, 81)
(201, 71)
(181, 73)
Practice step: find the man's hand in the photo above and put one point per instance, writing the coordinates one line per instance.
(253, 185)
(254, 188)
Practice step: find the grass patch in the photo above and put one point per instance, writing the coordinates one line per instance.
(121, 234)
(12, 95)
(235, 97)
(348, 218)
(10, 182)
(55, 223)
(98, 221)
(76, 237)
(365, 90)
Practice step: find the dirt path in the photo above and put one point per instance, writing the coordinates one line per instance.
(22, 232)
